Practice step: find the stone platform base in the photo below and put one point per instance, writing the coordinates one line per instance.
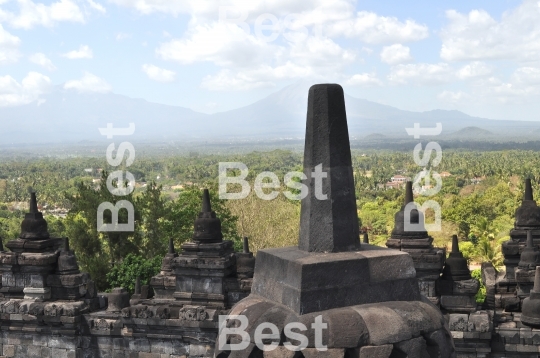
(310, 281)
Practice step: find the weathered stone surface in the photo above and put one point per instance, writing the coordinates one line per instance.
(481, 322)
(384, 324)
(528, 214)
(328, 224)
(279, 352)
(459, 322)
(329, 353)
(310, 282)
(382, 351)
(440, 343)
(531, 305)
(489, 278)
(34, 227)
(117, 299)
(456, 268)
(428, 260)
(345, 328)
(458, 303)
(420, 317)
(207, 225)
(365, 295)
(415, 347)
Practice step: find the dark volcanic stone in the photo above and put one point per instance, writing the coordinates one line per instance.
(528, 214)
(309, 282)
(415, 217)
(530, 313)
(456, 268)
(331, 224)
(34, 225)
(530, 256)
(207, 225)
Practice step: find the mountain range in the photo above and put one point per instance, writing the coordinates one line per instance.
(69, 116)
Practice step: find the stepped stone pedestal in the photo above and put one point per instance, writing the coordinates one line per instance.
(428, 260)
(43, 293)
(204, 273)
(525, 271)
(530, 315)
(368, 296)
(41, 268)
(457, 288)
(527, 219)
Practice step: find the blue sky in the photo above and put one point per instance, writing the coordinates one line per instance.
(480, 57)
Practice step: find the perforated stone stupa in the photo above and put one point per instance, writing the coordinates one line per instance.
(369, 296)
(428, 260)
(527, 221)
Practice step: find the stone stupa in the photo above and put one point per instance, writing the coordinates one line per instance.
(428, 260)
(367, 295)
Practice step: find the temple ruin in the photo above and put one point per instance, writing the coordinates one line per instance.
(406, 300)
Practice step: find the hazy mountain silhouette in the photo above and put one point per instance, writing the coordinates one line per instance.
(471, 133)
(69, 116)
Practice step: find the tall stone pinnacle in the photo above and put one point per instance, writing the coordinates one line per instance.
(206, 207)
(408, 193)
(246, 245)
(528, 195)
(33, 203)
(455, 244)
(366, 238)
(536, 287)
(171, 246)
(328, 217)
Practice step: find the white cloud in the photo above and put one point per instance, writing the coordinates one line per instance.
(42, 60)
(319, 52)
(395, 54)
(89, 83)
(421, 73)
(220, 43)
(474, 69)
(31, 87)
(527, 76)
(173, 7)
(364, 79)
(226, 80)
(235, 8)
(477, 36)
(158, 74)
(248, 61)
(306, 38)
(328, 17)
(96, 6)
(33, 14)
(261, 76)
(9, 45)
(83, 52)
(507, 92)
(521, 87)
(372, 28)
